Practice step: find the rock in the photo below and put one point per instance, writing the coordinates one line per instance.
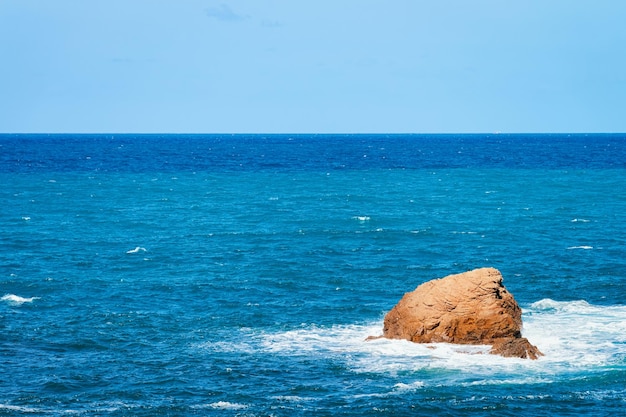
(516, 347)
(469, 308)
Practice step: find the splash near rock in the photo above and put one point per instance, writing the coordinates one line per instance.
(470, 308)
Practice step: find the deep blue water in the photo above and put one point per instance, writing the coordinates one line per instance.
(148, 275)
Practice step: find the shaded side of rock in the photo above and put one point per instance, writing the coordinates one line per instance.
(518, 347)
(469, 308)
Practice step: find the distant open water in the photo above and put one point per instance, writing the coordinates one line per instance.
(162, 275)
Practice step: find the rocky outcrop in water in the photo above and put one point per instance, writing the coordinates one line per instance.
(469, 308)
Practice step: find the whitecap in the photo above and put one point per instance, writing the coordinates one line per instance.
(226, 405)
(413, 386)
(530, 380)
(25, 218)
(580, 221)
(292, 398)
(548, 304)
(581, 247)
(362, 218)
(17, 300)
(136, 250)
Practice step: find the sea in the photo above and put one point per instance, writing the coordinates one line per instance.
(240, 275)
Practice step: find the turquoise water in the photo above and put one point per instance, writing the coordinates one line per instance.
(240, 275)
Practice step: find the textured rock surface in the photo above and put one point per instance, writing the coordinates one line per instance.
(469, 308)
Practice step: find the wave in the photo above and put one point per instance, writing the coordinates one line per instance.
(292, 398)
(548, 304)
(222, 405)
(17, 300)
(576, 333)
(580, 247)
(136, 250)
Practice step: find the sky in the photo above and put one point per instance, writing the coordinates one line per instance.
(323, 66)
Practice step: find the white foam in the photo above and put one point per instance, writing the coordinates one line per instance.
(17, 300)
(136, 250)
(362, 218)
(580, 221)
(413, 386)
(292, 398)
(581, 247)
(347, 343)
(529, 380)
(576, 334)
(548, 304)
(573, 335)
(225, 405)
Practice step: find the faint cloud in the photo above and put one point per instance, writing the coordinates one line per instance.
(224, 13)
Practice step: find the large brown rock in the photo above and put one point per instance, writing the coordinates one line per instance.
(469, 308)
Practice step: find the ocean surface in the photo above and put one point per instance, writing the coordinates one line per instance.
(239, 275)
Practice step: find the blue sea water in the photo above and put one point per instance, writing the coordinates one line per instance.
(190, 275)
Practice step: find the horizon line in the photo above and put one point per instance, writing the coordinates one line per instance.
(314, 133)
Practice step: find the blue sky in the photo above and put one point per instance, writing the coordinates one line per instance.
(287, 66)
